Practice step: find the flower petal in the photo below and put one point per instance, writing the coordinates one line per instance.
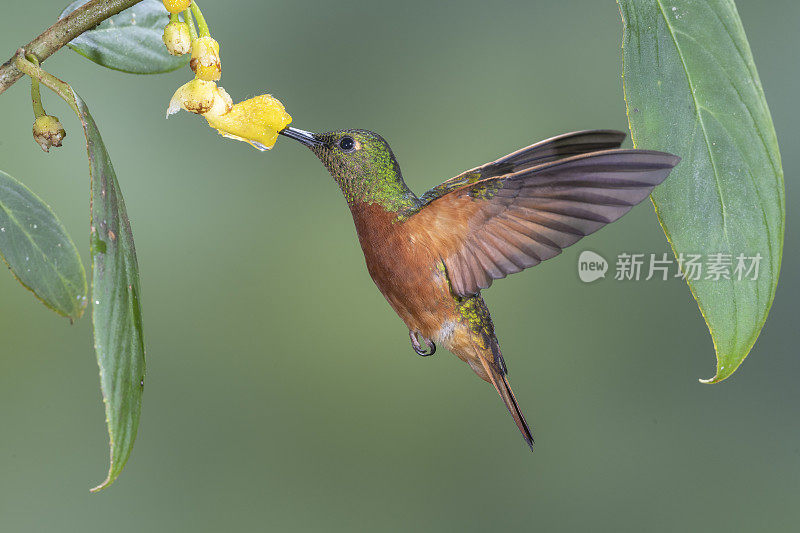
(256, 121)
(201, 97)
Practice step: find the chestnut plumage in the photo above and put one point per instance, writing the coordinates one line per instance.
(430, 256)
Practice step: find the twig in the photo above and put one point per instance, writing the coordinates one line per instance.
(59, 34)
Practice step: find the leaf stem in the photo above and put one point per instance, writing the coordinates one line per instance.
(202, 27)
(61, 88)
(63, 31)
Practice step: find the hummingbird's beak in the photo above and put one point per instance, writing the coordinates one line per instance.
(305, 137)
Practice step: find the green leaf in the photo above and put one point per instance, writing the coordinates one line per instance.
(116, 308)
(691, 88)
(38, 250)
(129, 41)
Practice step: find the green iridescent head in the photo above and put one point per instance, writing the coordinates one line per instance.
(362, 163)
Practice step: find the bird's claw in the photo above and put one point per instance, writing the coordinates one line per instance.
(431, 346)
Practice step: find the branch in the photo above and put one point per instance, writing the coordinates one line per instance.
(59, 34)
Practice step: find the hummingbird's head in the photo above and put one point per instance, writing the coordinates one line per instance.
(360, 161)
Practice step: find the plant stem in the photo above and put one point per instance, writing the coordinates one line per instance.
(202, 27)
(187, 15)
(61, 88)
(59, 34)
(36, 96)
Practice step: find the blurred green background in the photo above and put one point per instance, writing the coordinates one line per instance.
(282, 392)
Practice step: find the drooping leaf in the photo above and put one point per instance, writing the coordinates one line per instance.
(129, 41)
(691, 88)
(116, 306)
(39, 251)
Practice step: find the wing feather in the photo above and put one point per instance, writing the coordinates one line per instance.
(489, 266)
(561, 146)
(497, 225)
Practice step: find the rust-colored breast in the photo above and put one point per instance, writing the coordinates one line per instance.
(404, 260)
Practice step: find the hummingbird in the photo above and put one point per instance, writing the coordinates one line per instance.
(431, 255)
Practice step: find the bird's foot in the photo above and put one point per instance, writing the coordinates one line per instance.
(431, 346)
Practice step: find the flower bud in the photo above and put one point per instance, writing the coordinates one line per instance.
(205, 59)
(48, 132)
(176, 38)
(200, 97)
(256, 121)
(176, 6)
(222, 103)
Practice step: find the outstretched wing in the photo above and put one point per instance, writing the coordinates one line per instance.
(568, 144)
(494, 226)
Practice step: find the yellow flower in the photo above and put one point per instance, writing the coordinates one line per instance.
(176, 6)
(48, 132)
(205, 60)
(200, 97)
(176, 38)
(256, 121)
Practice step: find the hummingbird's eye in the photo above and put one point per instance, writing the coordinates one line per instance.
(347, 144)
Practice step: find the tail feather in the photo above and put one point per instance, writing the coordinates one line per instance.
(504, 390)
